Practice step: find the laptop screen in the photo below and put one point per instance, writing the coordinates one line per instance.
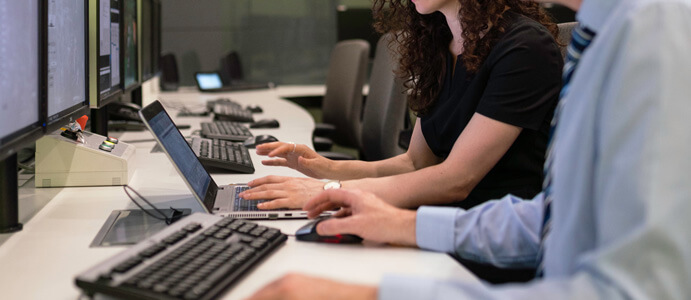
(179, 151)
(208, 81)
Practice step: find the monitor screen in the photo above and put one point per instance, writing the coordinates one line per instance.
(206, 81)
(146, 40)
(181, 154)
(109, 47)
(66, 59)
(19, 70)
(130, 50)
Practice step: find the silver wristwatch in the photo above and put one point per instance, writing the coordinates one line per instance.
(332, 185)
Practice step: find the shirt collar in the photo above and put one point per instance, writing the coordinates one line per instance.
(594, 13)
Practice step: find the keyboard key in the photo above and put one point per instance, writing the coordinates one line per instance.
(258, 231)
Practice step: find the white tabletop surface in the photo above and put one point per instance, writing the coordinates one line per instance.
(42, 260)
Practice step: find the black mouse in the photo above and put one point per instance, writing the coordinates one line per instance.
(265, 123)
(258, 140)
(309, 233)
(254, 109)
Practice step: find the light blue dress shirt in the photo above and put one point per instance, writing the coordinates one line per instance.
(621, 217)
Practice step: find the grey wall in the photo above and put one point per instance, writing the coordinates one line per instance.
(284, 41)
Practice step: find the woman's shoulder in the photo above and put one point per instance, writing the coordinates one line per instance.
(522, 25)
(525, 33)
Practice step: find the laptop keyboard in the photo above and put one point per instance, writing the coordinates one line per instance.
(231, 112)
(223, 154)
(225, 130)
(240, 204)
(198, 257)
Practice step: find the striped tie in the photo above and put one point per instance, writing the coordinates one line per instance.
(580, 40)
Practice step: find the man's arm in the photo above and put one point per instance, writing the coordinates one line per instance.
(642, 194)
(504, 233)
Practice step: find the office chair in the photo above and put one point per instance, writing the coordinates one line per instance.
(170, 79)
(386, 108)
(559, 13)
(231, 69)
(564, 37)
(342, 103)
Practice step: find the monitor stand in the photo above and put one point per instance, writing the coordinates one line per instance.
(137, 96)
(99, 120)
(9, 196)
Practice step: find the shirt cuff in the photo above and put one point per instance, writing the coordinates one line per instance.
(435, 228)
(405, 287)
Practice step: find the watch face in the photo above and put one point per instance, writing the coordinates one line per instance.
(332, 185)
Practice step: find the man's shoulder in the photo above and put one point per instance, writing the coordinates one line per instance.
(646, 8)
(636, 18)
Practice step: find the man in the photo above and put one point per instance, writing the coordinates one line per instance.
(618, 224)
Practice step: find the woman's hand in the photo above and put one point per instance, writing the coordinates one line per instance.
(363, 214)
(301, 287)
(285, 192)
(296, 156)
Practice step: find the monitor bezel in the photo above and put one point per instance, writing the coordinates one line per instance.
(156, 37)
(113, 95)
(70, 114)
(147, 76)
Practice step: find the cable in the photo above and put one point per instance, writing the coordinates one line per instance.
(26, 167)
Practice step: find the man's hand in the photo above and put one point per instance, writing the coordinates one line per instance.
(365, 215)
(301, 287)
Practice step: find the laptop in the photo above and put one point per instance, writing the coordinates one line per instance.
(212, 82)
(219, 200)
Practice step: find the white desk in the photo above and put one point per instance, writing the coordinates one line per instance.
(42, 260)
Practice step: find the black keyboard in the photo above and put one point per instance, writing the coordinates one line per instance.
(197, 257)
(232, 112)
(225, 130)
(211, 103)
(245, 85)
(222, 154)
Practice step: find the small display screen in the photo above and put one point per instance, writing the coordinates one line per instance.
(207, 81)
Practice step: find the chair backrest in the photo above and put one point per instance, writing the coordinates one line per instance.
(345, 78)
(386, 107)
(564, 38)
(231, 69)
(170, 78)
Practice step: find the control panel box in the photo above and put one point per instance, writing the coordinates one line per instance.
(98, 161)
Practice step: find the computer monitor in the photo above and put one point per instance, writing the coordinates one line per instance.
(104, 20)
(20, 75)
(67, 62)
(156, 37)
(146, 44)
(130, 44)
(22, 79)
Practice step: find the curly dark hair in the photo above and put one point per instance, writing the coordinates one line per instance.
(422, 41)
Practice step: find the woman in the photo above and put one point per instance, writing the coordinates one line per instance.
(484, 78)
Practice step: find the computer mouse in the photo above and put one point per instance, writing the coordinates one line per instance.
(309, 233)
(254, 109)
(258, 140)
(265, 123)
